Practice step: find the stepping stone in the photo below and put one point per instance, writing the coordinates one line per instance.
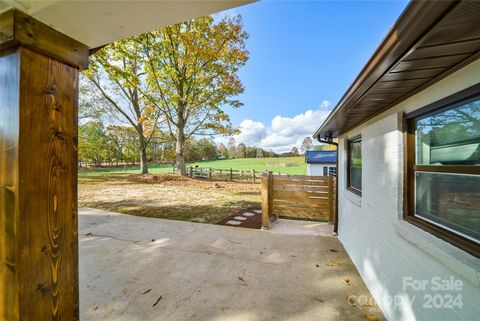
(248, 214)
(258, 211)
(240, 218)
(232, 222)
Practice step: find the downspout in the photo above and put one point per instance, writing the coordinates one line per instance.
(331, 142)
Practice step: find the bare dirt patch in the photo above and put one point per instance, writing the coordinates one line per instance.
(167, 196)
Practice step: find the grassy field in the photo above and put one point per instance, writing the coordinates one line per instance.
(276, 165)
(167, 196)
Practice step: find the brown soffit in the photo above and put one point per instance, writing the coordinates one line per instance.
(430, 40)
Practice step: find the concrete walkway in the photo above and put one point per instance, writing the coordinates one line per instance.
(135, 268)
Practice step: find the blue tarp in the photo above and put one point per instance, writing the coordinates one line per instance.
(320, 156)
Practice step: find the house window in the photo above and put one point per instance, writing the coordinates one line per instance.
(443, 169)
(325, 170)
(332, 170)
(354, 165)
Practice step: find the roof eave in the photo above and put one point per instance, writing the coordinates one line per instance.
(416, 19)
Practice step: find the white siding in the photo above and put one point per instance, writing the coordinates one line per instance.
(317, 169)
(383, 247)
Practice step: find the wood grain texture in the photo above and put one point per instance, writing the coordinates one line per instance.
(18, 28)
(47, 192)
(266, 191)
(9, 113)
(294, 196)
(38, 145)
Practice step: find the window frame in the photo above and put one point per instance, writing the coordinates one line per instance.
(349, 187)
(409, 152)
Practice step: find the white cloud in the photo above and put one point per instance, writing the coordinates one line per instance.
(283, 132)
(251, 132)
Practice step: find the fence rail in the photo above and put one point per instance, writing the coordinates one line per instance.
(231, 174)
(294, 196)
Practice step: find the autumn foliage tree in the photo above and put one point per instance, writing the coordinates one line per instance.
(191, 69)
(118, 73)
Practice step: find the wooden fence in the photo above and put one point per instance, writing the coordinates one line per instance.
(253, 176)
(308, 197)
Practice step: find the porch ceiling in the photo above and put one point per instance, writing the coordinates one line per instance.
(429, 41)
(96, 23)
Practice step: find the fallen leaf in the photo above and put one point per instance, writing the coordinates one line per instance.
(334, 250)
(371, 317)
(333, 263)
(241, 279)
(346, 281)
(147, 291)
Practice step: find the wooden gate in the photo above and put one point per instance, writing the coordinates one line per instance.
(307, 197)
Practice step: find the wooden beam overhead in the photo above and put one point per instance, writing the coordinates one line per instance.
(17, 28)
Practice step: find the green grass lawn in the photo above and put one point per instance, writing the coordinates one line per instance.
(274, 164)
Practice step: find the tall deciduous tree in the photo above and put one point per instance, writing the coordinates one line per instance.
(118, 72)
(92, 142)
(222, 150)
(294, 151)
(192, 70)
(232, 148)
(241, 150)
(307, 144)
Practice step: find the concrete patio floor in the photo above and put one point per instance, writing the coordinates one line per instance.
(135, 268)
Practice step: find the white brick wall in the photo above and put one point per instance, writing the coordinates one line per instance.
(383, 247)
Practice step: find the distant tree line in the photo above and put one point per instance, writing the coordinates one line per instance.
(117, 145)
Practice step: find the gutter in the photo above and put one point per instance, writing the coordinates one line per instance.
(331, 142)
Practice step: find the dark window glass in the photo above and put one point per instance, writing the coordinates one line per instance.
(355, 164)
(449, 200)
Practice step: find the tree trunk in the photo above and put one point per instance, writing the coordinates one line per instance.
(180, 156)
(143, 152)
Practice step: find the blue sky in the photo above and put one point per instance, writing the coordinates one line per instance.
(303, 56)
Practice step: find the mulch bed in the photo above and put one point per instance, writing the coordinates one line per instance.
(254, 221)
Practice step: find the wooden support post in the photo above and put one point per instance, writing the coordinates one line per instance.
(38, 170)
(253, 175)
(210, 173)
(231, 174)
(267, 189)
(191, 171)
(331, 195)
